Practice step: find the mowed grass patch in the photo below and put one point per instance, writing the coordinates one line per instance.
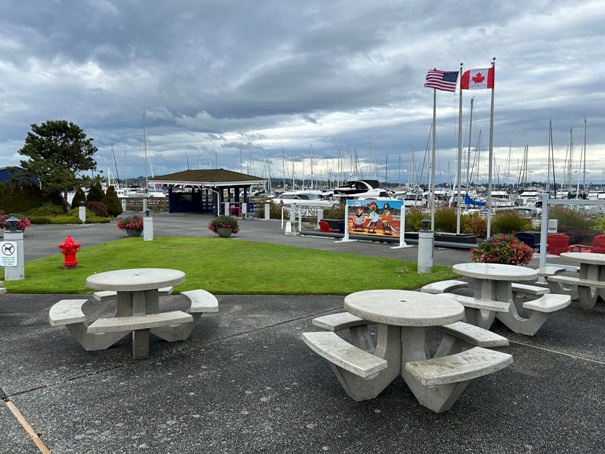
(229, 266)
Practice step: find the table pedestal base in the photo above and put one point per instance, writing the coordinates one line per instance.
(388, 347)
(140, 344)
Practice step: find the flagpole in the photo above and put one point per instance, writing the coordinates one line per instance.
(433, 160)
(491, 156)
(459, 201)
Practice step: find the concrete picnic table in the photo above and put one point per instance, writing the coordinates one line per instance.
(591, 278)
(493, 286)
(137, 303)
(402, 318)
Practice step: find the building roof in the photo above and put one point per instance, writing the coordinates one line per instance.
(208, 177)
(10, 172)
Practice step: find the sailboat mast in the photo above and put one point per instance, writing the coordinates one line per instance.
(145, 140)
(113, 153)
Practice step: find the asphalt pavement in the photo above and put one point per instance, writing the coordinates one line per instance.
(244, 381)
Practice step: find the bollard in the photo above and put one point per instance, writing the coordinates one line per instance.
(553, 225)
(12, 254)
(82, 212)
(320, 215)
(426, 241)
(267, 211)
(147, 227)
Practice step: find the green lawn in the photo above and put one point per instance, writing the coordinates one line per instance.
(229, 266)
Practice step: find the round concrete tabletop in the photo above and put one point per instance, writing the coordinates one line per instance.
(404, 308)
(135, 279)
(584, 257)
(495, 271)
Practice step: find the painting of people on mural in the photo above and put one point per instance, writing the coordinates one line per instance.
(375, 217)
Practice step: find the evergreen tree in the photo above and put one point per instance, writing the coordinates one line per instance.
(79, 197)
(111, 199)
(95, 193)
(58, 152)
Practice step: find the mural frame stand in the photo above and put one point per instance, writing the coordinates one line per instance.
(402, 243)
(346, 238)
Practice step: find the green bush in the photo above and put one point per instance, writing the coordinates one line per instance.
(569, 218)
(474, 223)
(98, 208)
(510, 221)
(337, 212)
(48, 209)
(413, 219)
(599, 225)
(446, 219)
(40, 219)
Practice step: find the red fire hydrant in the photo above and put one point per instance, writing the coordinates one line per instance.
(69, 248)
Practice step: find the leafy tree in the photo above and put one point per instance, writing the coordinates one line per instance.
(58, 151)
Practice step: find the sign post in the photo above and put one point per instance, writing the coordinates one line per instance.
(12, 256)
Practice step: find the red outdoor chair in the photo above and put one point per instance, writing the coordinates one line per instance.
(557, 243)
(324, 226)
(598, 244)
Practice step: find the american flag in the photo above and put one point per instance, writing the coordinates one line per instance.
(441, 80)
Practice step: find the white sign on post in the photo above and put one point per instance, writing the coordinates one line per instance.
(8, 253)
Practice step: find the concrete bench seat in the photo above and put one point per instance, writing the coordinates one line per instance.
(344, 355)
(485, 305)
(473, 335)
(106, 295)
(339, 321)
(572, 280)
(138, 322)
(66, 312)
(358, 328)
(444, 286)
(552, 270)
(529, 289)
(548, 303)
(201, 301)
(463, 366)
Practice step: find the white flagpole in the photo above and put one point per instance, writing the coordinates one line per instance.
(459, 201)
(433, 160)
(491, 156)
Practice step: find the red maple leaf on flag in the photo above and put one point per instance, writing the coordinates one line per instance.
(478, 78)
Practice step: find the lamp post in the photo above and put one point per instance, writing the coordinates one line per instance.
(12, 223)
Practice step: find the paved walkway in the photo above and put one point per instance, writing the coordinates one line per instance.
(244, 382)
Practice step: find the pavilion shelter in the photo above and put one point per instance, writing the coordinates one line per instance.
(208, 191)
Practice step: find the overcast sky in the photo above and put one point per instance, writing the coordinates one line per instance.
(335, 87)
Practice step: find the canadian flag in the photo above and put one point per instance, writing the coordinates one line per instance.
(476, 79)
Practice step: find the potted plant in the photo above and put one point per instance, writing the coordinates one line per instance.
(507, 249)
(21, 224)
(133, 225)
(224, 226)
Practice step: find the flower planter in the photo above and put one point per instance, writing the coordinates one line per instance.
(133, 232)
(224, 232)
